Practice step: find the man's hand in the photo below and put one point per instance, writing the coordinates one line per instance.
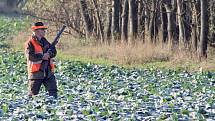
(46, 56)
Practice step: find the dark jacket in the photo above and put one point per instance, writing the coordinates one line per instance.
(30, 54)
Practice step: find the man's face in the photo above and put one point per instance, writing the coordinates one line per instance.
(40, 32)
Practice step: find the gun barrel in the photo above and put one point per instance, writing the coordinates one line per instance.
(58, 35)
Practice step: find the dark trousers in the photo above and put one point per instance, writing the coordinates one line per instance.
(49, 83)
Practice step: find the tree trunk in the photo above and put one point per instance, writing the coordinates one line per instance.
(182, 41)
(100, 27)
(170, 29)
(212, 33)
(115, 29)
(141, 19)
(194, 28)
(187, 17)
(163, 29)
(147, 21)
(124, 35)
(87, 20)
(155, 24)
(152, 21)
(77, 21)
(204, 30)
(133, 21)
(109, 22)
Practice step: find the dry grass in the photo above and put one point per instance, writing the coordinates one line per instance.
(119, 53)
(123, 54)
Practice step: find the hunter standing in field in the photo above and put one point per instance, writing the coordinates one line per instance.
(38, 72)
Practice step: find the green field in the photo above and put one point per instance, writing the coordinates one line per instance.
(90, 91)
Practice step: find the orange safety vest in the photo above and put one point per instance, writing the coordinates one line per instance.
(34, 66)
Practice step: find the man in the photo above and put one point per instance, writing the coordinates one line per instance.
(38, 72)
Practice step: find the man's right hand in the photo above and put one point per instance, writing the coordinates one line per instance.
(46, 56)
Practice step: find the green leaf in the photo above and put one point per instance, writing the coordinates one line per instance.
(4, 108)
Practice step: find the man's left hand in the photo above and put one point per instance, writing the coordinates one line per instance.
(46, 56)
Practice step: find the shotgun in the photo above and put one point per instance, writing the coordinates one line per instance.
(45, 63)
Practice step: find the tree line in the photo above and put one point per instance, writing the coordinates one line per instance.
(187, 25)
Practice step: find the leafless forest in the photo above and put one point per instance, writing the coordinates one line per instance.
(187, 25)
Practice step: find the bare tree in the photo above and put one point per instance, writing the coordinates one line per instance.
(87, 20)
(195, 23)
(163, 28)
(109, 21)
(153, 26)
(147, 18)
(99, 21)
(115, 29)
(204, 30)
(124, 34)
(170, 26)
(212, 19)
(133, 20)
(180, 14)
(141, 19)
